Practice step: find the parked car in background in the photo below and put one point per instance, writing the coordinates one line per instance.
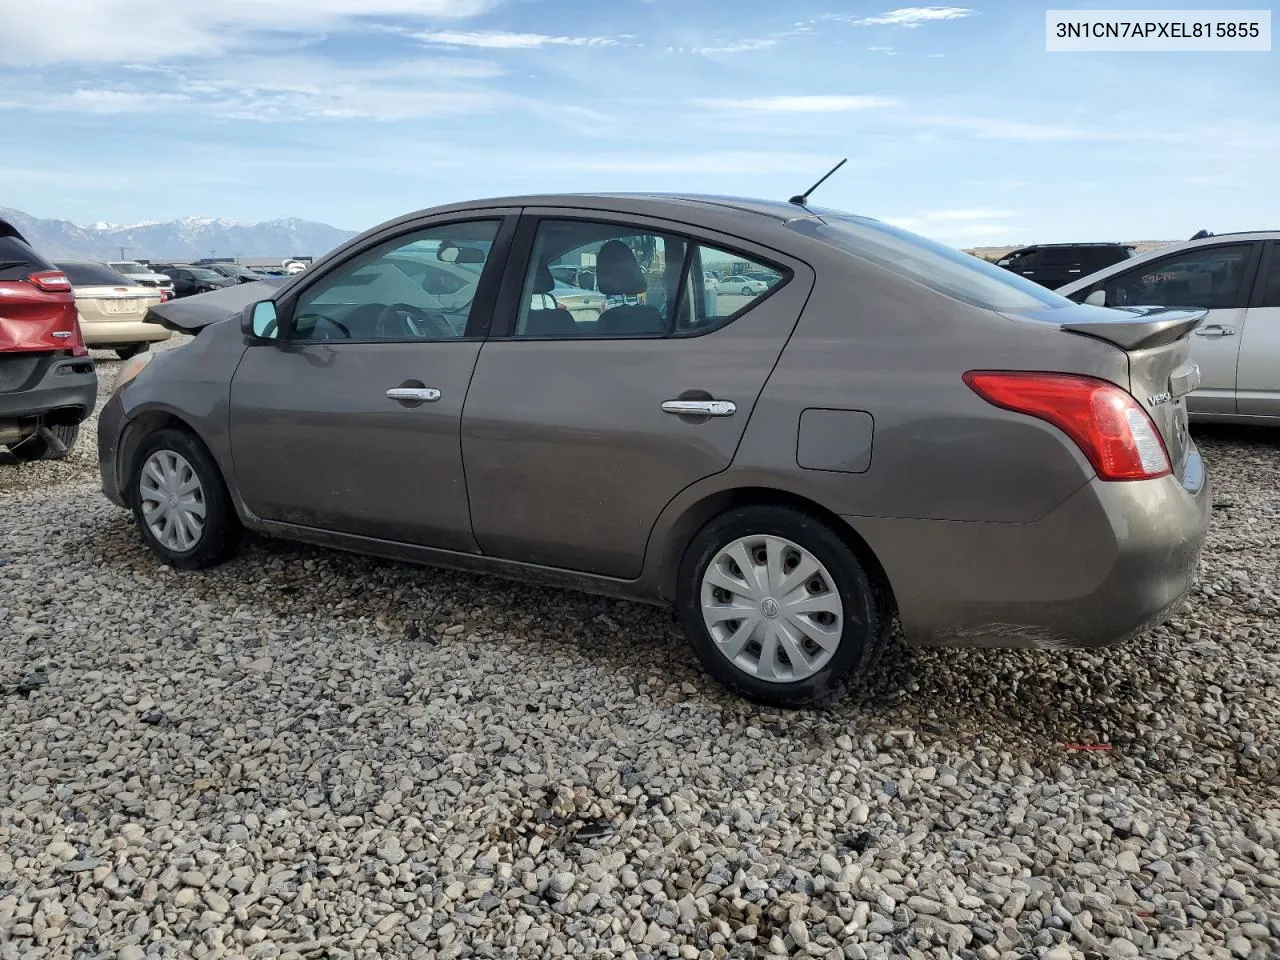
(717, 459)
(47, 381)
(111, 308)
(1236, 278)
(234, 271)
(1053, 264)
(744, 285)
(189, 280)
(142, 275)
(582, 305)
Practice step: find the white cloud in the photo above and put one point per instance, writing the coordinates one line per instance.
(738, 46)
(988, 128)
(908, 16)
(291, 88)
(887, 51)
(819, 103)
(112, 31)
(963, 226)
(503, 40)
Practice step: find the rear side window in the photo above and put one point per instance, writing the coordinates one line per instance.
(951, 272)
(607, 280)
(1210, 277)
(93, 275)
(17, 259)
(1271, 282)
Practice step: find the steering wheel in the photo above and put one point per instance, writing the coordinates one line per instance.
(416, 320)
(317, 331)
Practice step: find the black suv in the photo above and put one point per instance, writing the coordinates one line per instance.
(1054, 264)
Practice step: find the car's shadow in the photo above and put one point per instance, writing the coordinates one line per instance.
(1029, 703)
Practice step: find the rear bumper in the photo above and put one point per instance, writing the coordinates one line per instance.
(98, 333)
(1109, 563)
(58, 390)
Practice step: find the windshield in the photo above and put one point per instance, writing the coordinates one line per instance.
(949, 271)
(92, 275)
(128, 266)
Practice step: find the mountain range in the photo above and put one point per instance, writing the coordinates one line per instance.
(188, 238)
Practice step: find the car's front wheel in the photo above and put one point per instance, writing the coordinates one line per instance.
(778, 607)
(180, 501)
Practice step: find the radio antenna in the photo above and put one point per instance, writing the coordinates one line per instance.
(800, 199)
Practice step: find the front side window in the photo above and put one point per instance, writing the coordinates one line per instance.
(604, 280)
(1210, 277)
(417, 287)
(951, 272)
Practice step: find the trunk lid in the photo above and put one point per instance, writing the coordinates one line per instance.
(115, 303)
(1161, 371)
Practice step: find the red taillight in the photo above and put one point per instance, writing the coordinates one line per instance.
(1106, 423)
(50, 281)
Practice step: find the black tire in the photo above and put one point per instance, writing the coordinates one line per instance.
(746, 291)
(221, 533)
(867, 615)
(35, 447)
(131, 350)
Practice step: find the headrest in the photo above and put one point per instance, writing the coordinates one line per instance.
(543, 281)
(617, 273)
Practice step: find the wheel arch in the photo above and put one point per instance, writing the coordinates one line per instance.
(682, 531)
(141, 426)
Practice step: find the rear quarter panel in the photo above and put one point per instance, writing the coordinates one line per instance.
(874, 342)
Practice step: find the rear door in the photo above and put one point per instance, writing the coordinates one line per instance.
(1258, 372)
(1216, 277)
(576, 437)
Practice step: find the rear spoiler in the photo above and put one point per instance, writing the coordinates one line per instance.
(1144, 327)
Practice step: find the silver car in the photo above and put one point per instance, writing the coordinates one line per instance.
(1236, 278)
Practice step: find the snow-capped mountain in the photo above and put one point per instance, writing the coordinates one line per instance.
(188, 238)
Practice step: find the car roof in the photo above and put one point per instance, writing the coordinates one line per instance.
(1213, 240)
(675, 204)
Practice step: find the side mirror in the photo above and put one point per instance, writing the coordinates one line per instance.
(1097, 299)
(259, 321)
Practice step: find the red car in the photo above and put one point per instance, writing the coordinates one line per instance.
(47, 381)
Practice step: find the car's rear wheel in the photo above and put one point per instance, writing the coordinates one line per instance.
(746, 291)
(38, 446)
(131, 350)
(778, 607)
(180, 501)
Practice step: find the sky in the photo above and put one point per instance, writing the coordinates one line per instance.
(956, 121)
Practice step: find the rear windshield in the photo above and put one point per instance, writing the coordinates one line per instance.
(939, 267)
(17, 259)
(93, 275)
(128, 266)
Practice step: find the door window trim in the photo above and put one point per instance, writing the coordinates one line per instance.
(507, 311)
(482, 308)
(1268, 264)
(1247, 282)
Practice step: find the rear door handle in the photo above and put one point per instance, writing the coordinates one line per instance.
(414, 394)
(700, 408)
(1215, 331)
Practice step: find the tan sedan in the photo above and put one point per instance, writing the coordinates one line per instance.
(112, 307)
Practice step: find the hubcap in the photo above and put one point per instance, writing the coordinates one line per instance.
(172, 500)
(772, 609)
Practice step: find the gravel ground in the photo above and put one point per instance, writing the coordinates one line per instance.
(307, 755)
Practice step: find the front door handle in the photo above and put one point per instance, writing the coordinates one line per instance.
(1215, 331)
(414, 394)
(700, 408)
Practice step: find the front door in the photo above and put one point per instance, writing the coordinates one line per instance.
(350, 421)
(1216, 277)
(581, 426)
(1258, 373)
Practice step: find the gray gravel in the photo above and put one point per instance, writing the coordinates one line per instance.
(309, 755)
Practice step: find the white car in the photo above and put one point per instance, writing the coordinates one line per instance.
(1236, 277)
(743, 285)
(143, 275)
